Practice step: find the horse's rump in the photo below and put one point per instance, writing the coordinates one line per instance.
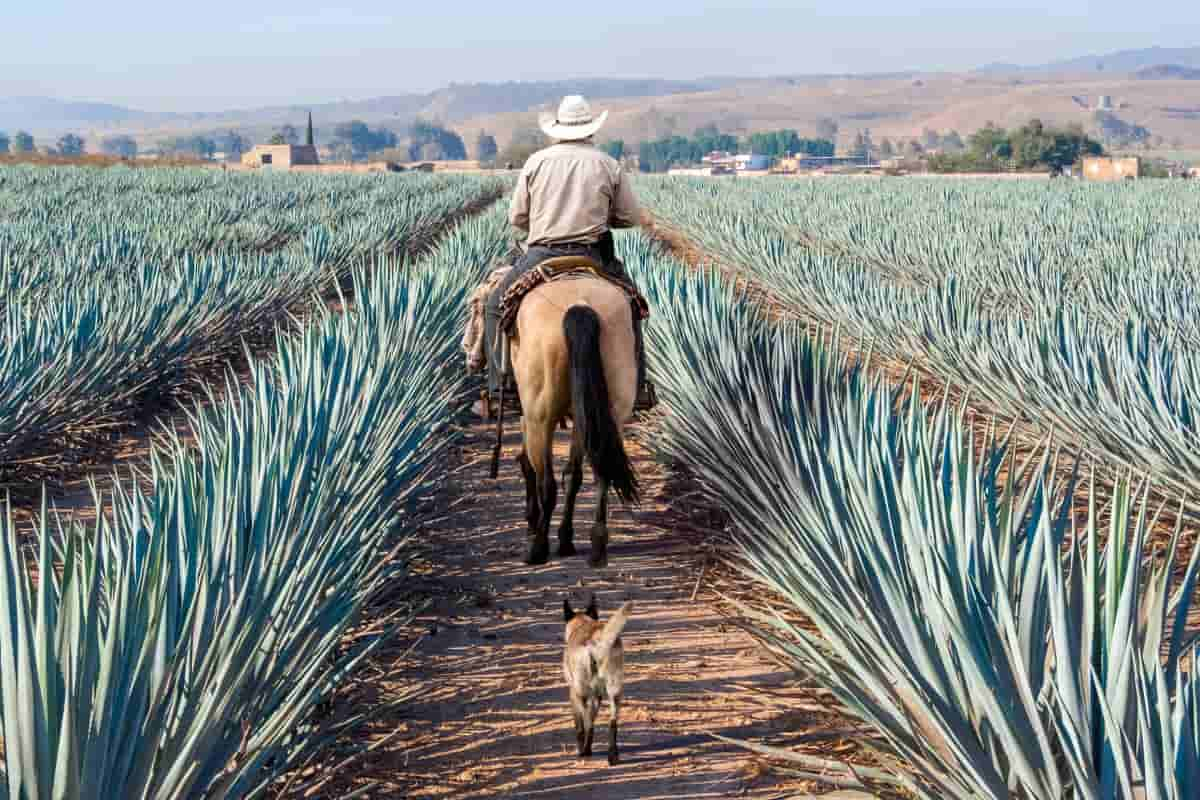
(540, 339)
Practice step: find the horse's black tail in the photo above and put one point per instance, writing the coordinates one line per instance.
(594, 421)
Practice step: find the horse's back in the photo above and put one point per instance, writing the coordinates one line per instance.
(605, 297)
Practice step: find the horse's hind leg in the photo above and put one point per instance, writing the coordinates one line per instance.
(599, 555)
(538, 447)
(573, 478)
(531, 501)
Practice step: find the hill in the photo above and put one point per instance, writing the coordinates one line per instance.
(892, 107)
(1121, 61)
(1168, 72)
(49, 116)
(38, 113)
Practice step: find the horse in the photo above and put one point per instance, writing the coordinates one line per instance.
(572, 355)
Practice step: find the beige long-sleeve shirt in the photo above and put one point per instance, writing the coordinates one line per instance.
(572, 192)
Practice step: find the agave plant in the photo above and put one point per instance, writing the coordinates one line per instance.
(179, 649)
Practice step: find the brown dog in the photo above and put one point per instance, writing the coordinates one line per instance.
(594, 666)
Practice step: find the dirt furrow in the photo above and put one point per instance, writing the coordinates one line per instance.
(488, 715)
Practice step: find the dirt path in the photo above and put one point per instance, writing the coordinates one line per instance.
(490, 718)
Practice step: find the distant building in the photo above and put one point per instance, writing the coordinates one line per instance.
(281, 156)
(719, 160)
(1104, 102)
(1102, 168)
(718, 169)
(752, 161)
(797, 163)
(285, 156)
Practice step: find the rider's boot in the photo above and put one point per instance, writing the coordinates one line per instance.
(485, 407)
(482, 408)
(646, 396)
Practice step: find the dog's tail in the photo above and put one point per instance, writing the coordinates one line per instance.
(612, 628)
(594, 421)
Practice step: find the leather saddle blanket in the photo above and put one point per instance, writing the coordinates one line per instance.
(559, 268)
(474, 338)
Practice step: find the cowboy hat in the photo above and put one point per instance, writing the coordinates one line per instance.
(574, 120)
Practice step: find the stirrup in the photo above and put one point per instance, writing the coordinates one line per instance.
(647, 398)
(512, 400)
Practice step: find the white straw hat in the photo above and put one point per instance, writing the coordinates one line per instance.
(573, 121)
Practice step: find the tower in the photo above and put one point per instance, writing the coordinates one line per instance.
(308, 139)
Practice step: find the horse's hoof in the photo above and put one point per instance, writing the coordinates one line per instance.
(566, 548)
(613, 758)
(539, 553)
(598, 562)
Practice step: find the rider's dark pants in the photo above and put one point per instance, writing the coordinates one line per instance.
(534, 256)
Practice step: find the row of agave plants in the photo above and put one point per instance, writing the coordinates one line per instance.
(130, 216)
(1020, 246)
(179, 649)
(1123, 389)
(95, 320)
(1000, 642)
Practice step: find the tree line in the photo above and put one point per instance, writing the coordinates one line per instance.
(1031, 146)
(122, 146)
(929, 142)
(990, 149)
(349, 141)
(22, 142)
(662, 154)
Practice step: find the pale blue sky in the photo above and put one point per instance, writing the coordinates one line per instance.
(222, 54)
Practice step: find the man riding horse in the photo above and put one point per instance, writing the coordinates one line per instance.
(567, 321)
(568, 198)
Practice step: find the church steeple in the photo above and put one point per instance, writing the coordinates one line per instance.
(308, 139)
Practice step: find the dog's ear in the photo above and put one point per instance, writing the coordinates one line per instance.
(568, 614)
(591, 610)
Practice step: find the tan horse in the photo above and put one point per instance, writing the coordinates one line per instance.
(573, 356)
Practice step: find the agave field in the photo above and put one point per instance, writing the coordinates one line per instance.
(178, 648)
(1071, 308)
(994, 622)
(114, 285)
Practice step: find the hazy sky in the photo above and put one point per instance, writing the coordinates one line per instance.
(223, 54)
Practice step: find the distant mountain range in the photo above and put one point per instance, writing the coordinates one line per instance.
(32, 112)
(1168, 72)
(450, 104)
(1122, 61)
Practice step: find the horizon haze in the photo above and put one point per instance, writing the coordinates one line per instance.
(150, 59)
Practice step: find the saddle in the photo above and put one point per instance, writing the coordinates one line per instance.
(561, 268)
